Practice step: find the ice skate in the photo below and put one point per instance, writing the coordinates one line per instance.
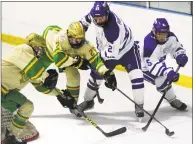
(75, 112)
(11, 139)
(139, 112)
(86, 105)
(177, 104)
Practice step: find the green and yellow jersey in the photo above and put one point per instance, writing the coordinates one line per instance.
(63, 54)
(22, 66)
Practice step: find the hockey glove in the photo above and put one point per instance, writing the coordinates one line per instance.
(66, 100)
(172, 76)
(110, 80)
(181, 60)
(81, 63)
(51, 81)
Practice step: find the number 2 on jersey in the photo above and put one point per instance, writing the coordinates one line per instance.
(110, 49)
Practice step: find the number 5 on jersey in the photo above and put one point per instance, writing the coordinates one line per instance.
(149, 63)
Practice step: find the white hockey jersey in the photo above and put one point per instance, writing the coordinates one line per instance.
(114, 39)
(154, 54)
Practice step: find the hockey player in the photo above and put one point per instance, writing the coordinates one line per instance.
(157, 45)
(27, 64)
(116, 45)
(71, 51)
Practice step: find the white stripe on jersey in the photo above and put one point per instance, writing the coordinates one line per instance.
(154, 64)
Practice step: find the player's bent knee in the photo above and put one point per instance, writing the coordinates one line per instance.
(137, 80)
(27, 108)
(136, 73)
(161, 83)
(73, 77)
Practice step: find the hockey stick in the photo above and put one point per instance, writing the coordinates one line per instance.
(166, 129)
(110, 134)
(100, 100)
(158, 105)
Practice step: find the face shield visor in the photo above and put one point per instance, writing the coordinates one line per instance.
(76, 42)
(161, 36)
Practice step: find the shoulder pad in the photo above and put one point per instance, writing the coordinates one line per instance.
(149, 45)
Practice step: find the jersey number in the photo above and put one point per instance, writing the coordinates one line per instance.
(97, 7)
(148, 62)
(110, 49)
(92, 52)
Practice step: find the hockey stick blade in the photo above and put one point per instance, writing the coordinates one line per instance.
(169, 133)
(144, 128)
(110, 134)
(115, 132)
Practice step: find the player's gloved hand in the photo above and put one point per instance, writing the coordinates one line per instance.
(110, 80)
(51, 81)
(66, 100)
(81, 63)
(172, 76)
(181, 60)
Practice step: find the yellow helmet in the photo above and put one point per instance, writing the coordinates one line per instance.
(35, 40)
(76, 30)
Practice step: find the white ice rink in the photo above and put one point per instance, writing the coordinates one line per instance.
(57, 126)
